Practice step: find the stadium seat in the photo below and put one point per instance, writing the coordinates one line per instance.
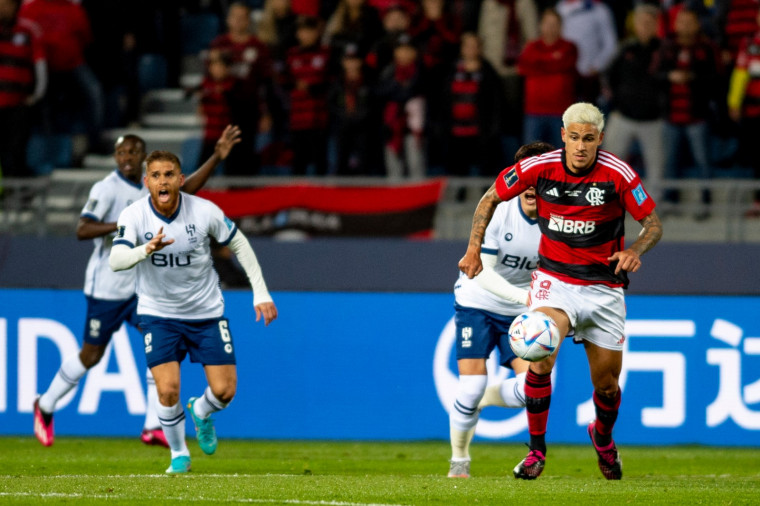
(197, 32)
(151, 72)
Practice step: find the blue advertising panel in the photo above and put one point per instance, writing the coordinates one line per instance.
(381, 366)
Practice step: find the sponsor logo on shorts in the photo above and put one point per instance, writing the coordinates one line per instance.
(148, 342)
(639, 194)
(567, 226)
(467, 337)
(94, 328)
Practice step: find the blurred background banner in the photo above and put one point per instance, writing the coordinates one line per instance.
(321, 209)
(381, 366)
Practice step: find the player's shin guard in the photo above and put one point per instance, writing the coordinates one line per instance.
(207, 404)
(538, 395)
(65, 380)
(151, 417)
(172, 420)
(464, 414)
(606, 415)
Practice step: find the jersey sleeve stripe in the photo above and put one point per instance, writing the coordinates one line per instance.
(123, 241)
(232, 234)
(89, 216)
(617, 165)
(489, 251)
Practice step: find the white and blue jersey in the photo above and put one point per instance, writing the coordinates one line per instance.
(179, 281)
(513, 237)
(108, 198)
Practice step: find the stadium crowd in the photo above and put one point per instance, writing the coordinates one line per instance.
(403, 88)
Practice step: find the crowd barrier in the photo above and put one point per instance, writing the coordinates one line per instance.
(381, 366)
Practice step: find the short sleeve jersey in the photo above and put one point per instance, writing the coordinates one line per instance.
(581, 216)
(108, 198)
(179, 281)
(513, 237)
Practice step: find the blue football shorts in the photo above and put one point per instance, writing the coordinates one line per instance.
(480, 331)
(104, 317)
(208, 342)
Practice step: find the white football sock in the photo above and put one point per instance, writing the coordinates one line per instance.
(510, 393)
(65, 380)
(464, 414)
(207, 404)
(172, 420)
(151, 417)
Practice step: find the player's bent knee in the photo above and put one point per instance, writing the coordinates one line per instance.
(226, 393)
(91, 355)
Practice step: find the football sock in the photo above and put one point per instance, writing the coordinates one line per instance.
(510, 393)
(172, 420)
(65, 380)
(207, 404)
(464, 414)
(151, 417)
(606, 415)
(538, 396)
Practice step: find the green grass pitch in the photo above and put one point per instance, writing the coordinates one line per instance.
(120, 471)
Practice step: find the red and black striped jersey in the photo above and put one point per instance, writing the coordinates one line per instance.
(581, 216)
(20, 48)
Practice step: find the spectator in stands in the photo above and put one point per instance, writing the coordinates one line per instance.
(637, 99)
(277, 28)
(548, 65)
(307, 79)
(396, 21)
(252, 68)
(73, 87)
(735, 21)
(688, 66)
(435, 32)
(217, 90)
(590, 26)
(354, 23)
(354, 119)
(505, 27)
(23, 79)
(744, 105)
(401, 89)
(471, 118)
(113, 57)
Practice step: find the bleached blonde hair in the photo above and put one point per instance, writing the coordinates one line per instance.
(585, 114)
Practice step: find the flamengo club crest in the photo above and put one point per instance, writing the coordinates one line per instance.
(595, 196)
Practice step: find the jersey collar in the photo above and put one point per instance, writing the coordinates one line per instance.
(139, 186)
(522, 213)
(161, 216)
(578, 174)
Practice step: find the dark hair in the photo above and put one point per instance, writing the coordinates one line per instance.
(163, 156)
(533, 149)
(130, 137)
(312, 22)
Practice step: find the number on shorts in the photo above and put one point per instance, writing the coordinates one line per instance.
(224, 331)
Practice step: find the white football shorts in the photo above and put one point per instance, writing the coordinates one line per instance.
(596, 312)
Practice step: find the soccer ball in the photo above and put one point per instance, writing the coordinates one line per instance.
(533, 336)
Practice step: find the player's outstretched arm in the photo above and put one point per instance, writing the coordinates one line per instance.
(470, 263)
(497, 285)
(262, 301)
(630, 259)
(224, 145)
(123, 257)
(87, 228)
